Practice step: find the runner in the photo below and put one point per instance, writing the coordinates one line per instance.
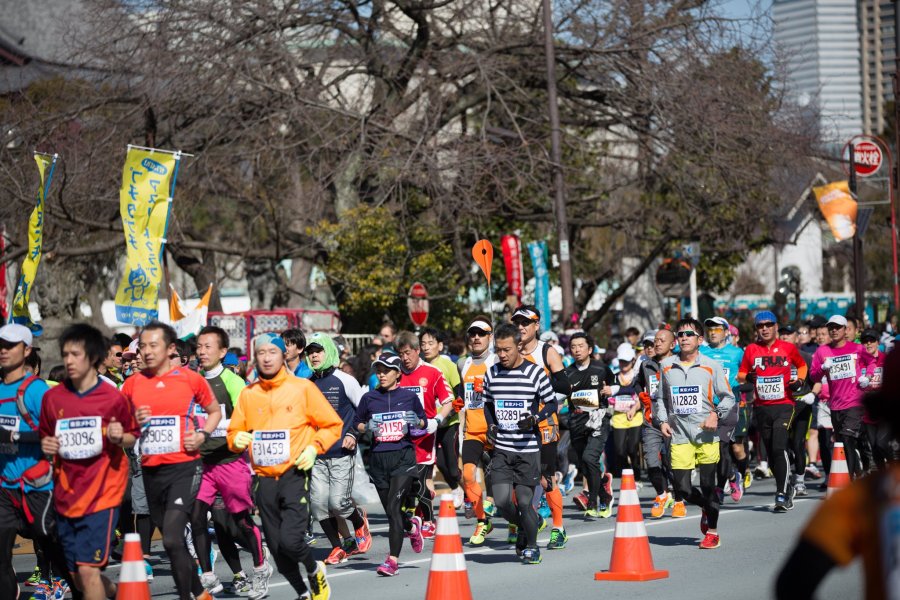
(227, 475)
(164, 396)
(26, 484)
(286, 422)
(802, 417)
(295, 343)
(627, 415)
(730, 475)
(331, 483)
(84, 424)
(392, 414)
(654, 443)
(696, 389)
(429, 384)
(588, 422)
(843, 363)
(767, 365)
(878, 433)
(528, 319)
(432, 343)
(475, 445)
(517, 396)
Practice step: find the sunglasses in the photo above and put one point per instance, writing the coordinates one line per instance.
(686, 333)
(764, 325)
(477, 333)
(716, 328)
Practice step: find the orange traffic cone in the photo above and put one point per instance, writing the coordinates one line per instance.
(448, 579)
(132, 577)
(839, 476)
(631, 559)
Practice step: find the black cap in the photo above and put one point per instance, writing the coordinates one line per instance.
(391, 361)
(314, 347)
(870, 334)
(817, 321)
(787, 329)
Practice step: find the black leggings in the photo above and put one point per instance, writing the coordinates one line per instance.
(797, 437)
(519, 512)
(772, 422)
(419, 495)
(183, 571)
(54, 557)
(398, 519)
(826, 447)
(724, 468)
(144, 525)
(246, 534)
(590, 452)
(705, 497)
(447, 454)
(628, 445)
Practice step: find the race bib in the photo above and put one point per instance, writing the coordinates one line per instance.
(10, 423)
(419, 391)
(391, 426)
(654, 385)
(221, 429)
(162, 436)
(509, 413)
(842, 367)
(474, 400)
(875, 380)
(81, 437)
(727, 373)
(271, 447)
(685, 399)
(586, 400)
(770, 388)
(623, 403)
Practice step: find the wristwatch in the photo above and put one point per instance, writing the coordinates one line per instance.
(205, 433)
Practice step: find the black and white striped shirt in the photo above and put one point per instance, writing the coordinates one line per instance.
(511, 393)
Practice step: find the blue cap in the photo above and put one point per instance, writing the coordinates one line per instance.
(230, 360)
(765, 316)
(269, 338)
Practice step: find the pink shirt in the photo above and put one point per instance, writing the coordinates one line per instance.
(848, 363)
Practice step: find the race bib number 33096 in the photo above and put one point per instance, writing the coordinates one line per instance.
(80, 437)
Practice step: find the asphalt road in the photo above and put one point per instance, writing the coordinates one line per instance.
(755, 542)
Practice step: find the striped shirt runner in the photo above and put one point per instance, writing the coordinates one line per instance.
(513, 393)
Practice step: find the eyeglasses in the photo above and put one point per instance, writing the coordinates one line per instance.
(477, 333)
(686, 333)
(118, 355)
(765, 325)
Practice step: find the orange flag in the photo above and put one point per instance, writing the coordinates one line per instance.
(838, 207)
(483, 253)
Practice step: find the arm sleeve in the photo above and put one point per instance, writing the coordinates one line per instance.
(560, 383)
(722, 391)
(659, 401)
(797, 361)
(804, 570)
(545, 395)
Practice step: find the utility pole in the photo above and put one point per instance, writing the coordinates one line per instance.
(896, 167)
(858, 280)
(562, 221)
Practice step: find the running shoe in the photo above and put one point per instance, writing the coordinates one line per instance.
(240, 583)
(812, 472)
(748, 480)
(605, 510)
(568, 482)
(318, 583)
(760, 473)
(336, 557)
(800, 489)
(42, 591)
(558, 539)
(60, 588)
(710, 542)
(679, 510)
(780, 504)
(211, 583)
(148, 569)
(543, 525)
(592, 514)
(259, 586)
(490, 509)
(428, 530)
(204, 595)
(660, 504)
(606, 480)
(469, 509)
(726, 489)
(481, 530)
(349, 546)
(737, 489)
(581, 501)
(363, 535)
(521, 543)
(720, 494)
(512, 534)
(415, 535)
(35, 578)
(704, 522)
(531, 556)
(458, 497)
(388, 568)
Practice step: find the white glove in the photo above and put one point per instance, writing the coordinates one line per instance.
(863, 381)
(808, 398)
(826, 364)
(431, 426)
(595, 420)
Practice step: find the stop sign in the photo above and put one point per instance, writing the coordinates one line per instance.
(867, 158)
(417, 304)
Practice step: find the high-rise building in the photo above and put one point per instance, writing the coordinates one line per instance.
(877, 42)
(821, 43)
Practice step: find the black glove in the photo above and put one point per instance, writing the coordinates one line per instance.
(5, 436)
(751, 377)
(527, 422)
(796, 386)
(492, 435)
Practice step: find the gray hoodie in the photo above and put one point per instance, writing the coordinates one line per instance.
(691, 392)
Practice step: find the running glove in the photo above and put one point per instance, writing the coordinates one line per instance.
(242, 440)
(863, 381)
(826, 364)
(431, 425)
(411, 418)
(307, 458)
(527, 422)
(458, 404)
(808, 398)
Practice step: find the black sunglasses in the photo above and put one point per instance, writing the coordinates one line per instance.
(687, 333)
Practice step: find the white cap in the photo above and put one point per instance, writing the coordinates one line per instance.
(625, 352)
(837, 320)
(649, 335)
(549, 336)
(15, 333)
(716, 321)
(132, 348)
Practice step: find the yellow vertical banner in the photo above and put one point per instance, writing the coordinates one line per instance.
(145, 198)
(838, 207)
(20, 314)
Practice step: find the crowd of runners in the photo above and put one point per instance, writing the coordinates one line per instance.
(223, 452)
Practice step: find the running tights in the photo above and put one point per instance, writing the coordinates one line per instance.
(248, 535)
(183, 571)
(143, 524)
(705, 497)
(519, 511)
(448, 455)
(54, 556)
(392, 501)
(628, 450)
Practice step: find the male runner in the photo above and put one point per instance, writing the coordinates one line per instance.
(475, 444)
(517, 396)
(164, 396)
(695, 388)
(84, 424)
(528, 319)
(228, 475)
(295, 343)
(767, 364)
(802, 417)
(286, 423)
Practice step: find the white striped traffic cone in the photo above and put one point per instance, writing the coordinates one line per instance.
(448, 579)
(132, 576)
(839, 475)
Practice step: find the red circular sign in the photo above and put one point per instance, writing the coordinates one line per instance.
(867, 158)
(417, 304)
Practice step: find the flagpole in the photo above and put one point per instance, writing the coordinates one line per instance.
(149, 149)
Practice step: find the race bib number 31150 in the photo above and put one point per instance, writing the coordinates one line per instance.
(80, 437)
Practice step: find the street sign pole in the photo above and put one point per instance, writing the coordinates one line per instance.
(857, 248)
